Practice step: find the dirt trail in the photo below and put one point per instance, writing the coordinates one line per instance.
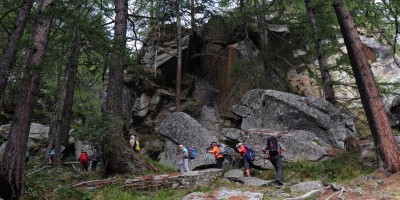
(375, 186)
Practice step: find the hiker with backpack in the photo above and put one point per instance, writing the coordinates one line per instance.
(218, 155)
(183, 153)
(274, 151)
(51, 155)
(248, 157)
(96, 156)
(134, 143)
(84, 160)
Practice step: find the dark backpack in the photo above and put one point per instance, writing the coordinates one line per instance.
(223, 149)
(250, 154)
(191, 152)
(84, 157)
(272, 146)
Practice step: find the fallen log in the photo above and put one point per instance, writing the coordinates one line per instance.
(173, 179)
(89, 185)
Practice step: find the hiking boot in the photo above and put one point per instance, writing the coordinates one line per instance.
(279, 181)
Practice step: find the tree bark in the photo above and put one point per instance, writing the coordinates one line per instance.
(384, 140)
(12, 169)
(117, 160)
(61, 124)
(323, 65)
(7, 58)
(178, 58)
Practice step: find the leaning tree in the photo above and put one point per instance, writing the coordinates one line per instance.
(384, 140)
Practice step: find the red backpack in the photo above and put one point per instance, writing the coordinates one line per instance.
(84, 157)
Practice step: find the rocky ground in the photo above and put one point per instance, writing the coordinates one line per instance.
(374, 186)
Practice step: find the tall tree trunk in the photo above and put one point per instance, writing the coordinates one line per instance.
(12, 169)
(178, 57)
(116, 158)
(323, 65)
(384, 140)
(192, 16)
(61, 124)
(7, 58)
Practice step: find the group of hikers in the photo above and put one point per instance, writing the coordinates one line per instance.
(273, 151)
(84, 159)
(93, 160)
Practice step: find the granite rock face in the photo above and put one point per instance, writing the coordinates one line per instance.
(180, 128)
(280, 111)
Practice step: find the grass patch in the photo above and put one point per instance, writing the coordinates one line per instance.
(346, 166)
(163, 168)
(116, 192)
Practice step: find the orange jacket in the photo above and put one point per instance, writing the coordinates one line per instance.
(216, 152)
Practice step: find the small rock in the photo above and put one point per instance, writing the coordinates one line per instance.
(250, 181)
(306, 186)
(234, 173)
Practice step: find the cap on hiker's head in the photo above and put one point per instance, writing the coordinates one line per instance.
(180, 146)
(239, 144)
(214, 143)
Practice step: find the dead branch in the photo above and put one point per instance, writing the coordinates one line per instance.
(341, 193)
(335, 193)
(34, 172)
(96, 183)
(307, 195)
(168, 180)
(67, 163)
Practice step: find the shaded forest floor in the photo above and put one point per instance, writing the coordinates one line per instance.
(358, 179)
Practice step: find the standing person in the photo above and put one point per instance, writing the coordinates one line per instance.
(274, 151)
(219, 158)
(51, 157)
(246, 163)
(84, 160)
(184, 162)
(132, 142)
(95, 159)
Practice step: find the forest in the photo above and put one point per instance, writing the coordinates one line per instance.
(89, 75)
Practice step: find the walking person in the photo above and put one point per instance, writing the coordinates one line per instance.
(184, 162)
(84, 160)
(134, 143)
(274, 151)
(95, 159)
(51, 155)
(219, 157)
(246, 162)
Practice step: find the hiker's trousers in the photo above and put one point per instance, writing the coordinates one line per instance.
(219, 162)
(184, 165)
(277, 163)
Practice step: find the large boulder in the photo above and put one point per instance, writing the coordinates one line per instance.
(2, 149)
(209, 118)
(36, 132)
(280, 111)
(299, 144)
(180, 128)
